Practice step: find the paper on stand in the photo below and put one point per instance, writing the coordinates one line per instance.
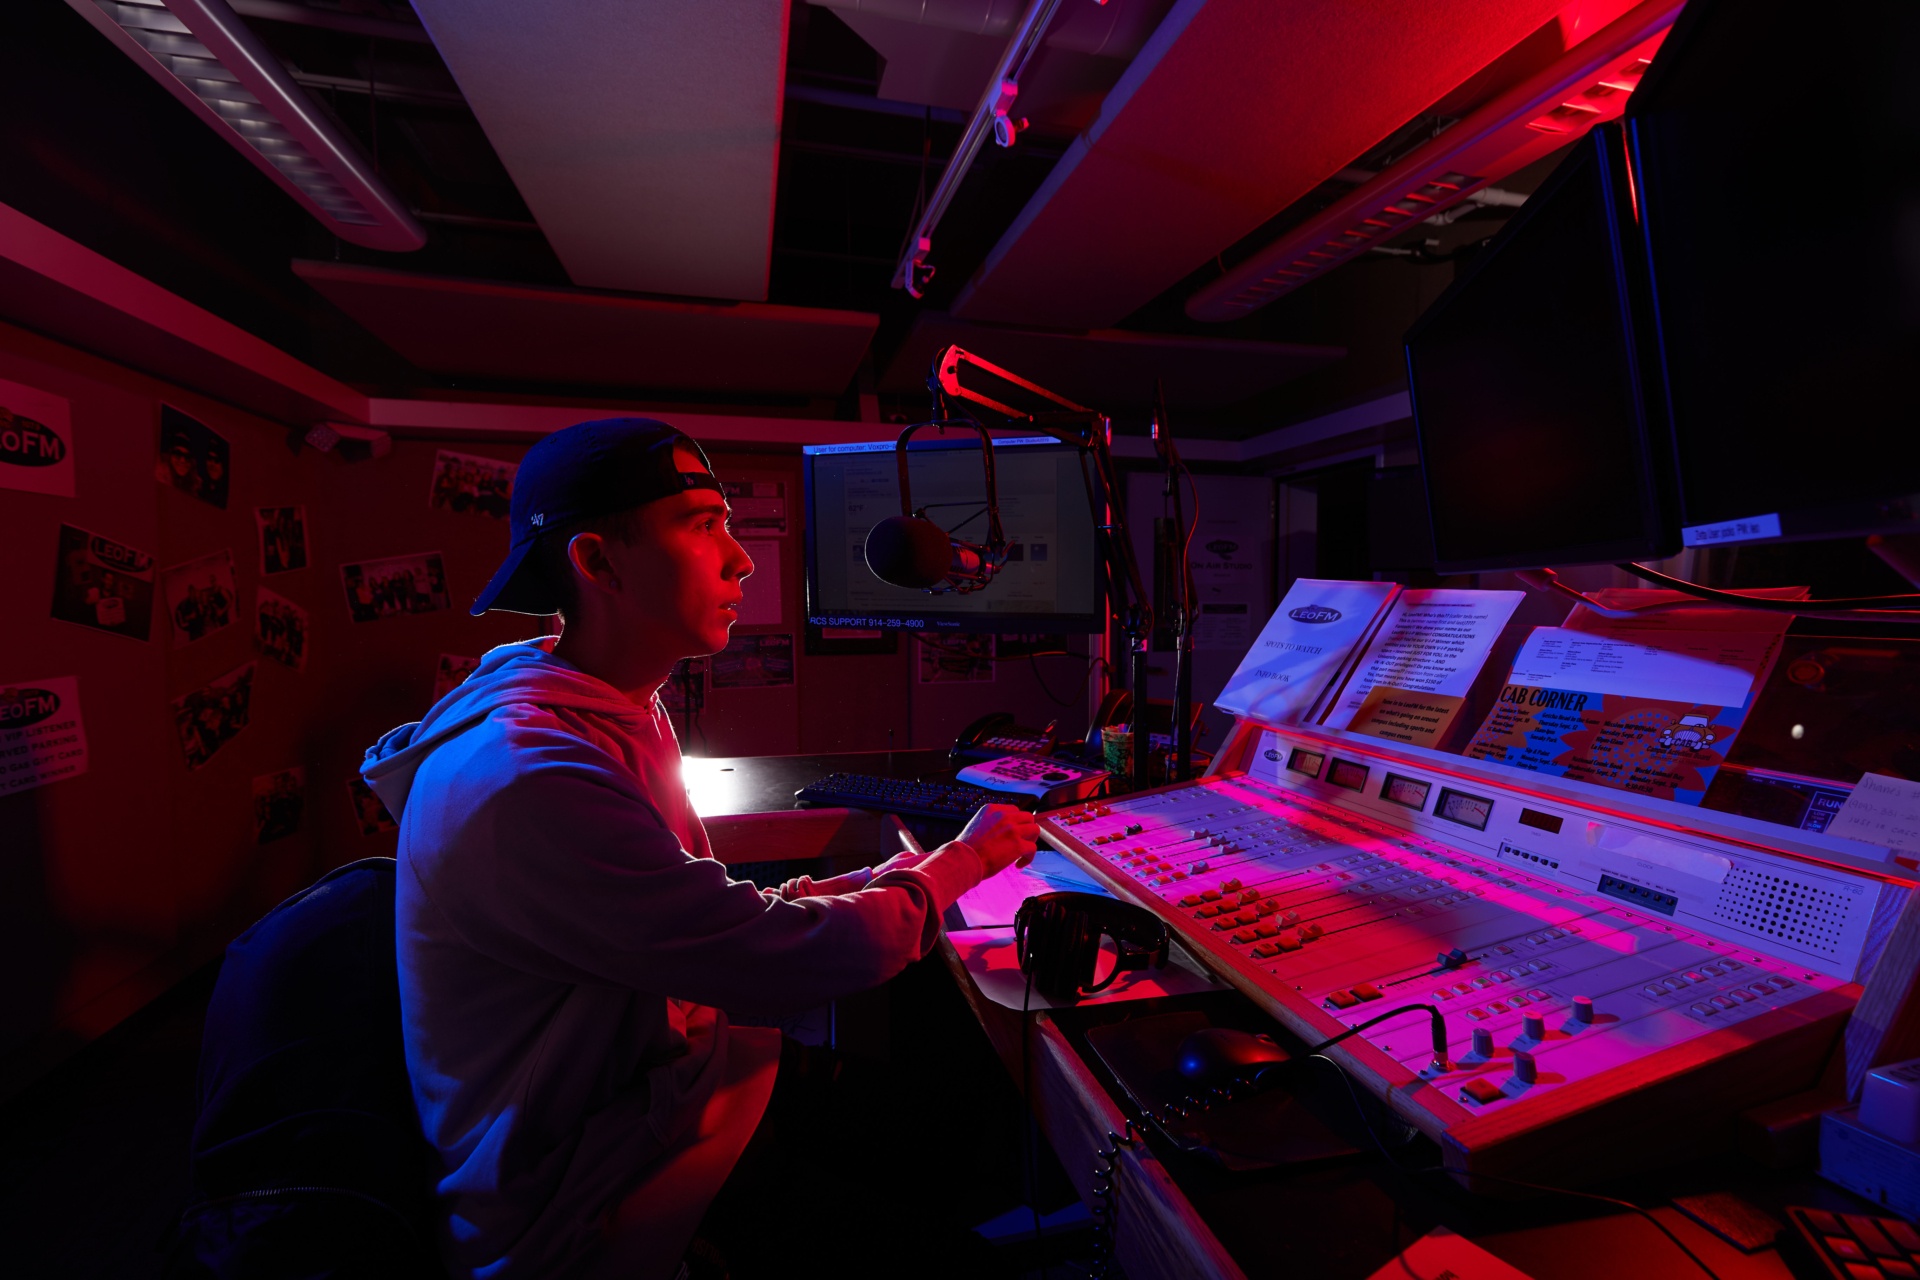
(1303, 648)
(1712, 667)
(1883, 811)
(1433, 643)
(1648, 711)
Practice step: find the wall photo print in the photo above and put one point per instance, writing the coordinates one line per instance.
(753, 662)
(451, 673)
(279, 799)
(368, 812)
(199, 596)
(955, 659)
(281, 627)
(36, 441)
(468, 485)
(386, 588)
(208, 718)
(283, 538)
(103, 584)
(194, 458)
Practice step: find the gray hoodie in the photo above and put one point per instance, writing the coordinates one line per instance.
(566, 941)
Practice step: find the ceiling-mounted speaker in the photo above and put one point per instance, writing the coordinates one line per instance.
(210, 60)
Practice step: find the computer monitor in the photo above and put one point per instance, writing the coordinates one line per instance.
(1783, 240)
(1535, 434)
(1053, 579)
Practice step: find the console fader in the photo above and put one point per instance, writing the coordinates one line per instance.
(1567, 1011)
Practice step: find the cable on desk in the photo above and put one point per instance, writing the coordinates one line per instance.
(1589, 1195)
(1432, 1011)
(1515, 1182)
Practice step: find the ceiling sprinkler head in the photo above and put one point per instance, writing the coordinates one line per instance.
(1005, 127)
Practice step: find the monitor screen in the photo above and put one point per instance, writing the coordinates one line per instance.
(1527, 401)
(1052, 581)
(1790, 346)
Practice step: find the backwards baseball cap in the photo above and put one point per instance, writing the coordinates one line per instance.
(586, 470)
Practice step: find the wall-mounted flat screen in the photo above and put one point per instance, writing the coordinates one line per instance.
(1791, 391)
(1345, 773)
(1052, 581)
(1468, 811)
(1535, 433)
(1411, 792)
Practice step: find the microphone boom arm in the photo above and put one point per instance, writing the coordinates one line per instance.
(1091, 432)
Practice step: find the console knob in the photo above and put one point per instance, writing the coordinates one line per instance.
(1533, 1027)
(1482, 1042)
(1524, 1069)
(1582, 1012)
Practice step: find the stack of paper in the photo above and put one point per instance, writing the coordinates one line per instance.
(1305, 650)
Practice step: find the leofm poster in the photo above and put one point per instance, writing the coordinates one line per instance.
(1652, 713)
(103, 584)
(36, 441)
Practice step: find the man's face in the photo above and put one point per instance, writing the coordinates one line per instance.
(681, 577)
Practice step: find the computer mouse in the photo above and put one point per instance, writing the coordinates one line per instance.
(1211, 1056)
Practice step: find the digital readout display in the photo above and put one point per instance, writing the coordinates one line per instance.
(1549, 822)
(1468, 811)
(1345, 773)
(1410, 792)
(1307, 762)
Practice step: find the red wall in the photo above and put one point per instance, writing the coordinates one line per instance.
(115, 883)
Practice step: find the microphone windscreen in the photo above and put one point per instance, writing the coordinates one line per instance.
(909, 552)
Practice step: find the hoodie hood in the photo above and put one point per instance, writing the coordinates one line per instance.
(522, 674)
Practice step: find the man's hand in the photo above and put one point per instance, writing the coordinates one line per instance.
(1002, 835)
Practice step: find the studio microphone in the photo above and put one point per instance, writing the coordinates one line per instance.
(911, 552)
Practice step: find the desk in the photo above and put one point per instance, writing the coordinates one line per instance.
(1339, 1219)
(725, 785)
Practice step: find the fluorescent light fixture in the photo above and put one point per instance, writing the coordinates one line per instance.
(210, 60)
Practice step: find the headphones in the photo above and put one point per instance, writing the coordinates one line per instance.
(1057, 937)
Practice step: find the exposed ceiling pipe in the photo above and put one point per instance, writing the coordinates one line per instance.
(912, 273)
(211, 61)
(1585, 86)
(1103, 29)
(1485, 198)
(352, 24)
(866, 102)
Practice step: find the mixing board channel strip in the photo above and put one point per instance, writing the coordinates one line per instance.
(1320, 913)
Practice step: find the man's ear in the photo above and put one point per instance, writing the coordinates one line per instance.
(587, 553)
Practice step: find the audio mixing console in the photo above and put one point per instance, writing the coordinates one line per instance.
(1597, 975)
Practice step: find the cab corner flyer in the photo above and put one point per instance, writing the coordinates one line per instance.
(41, 737)
(1652, 713)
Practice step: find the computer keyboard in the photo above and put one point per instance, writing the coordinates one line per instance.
(1853, 1246)
(953, 801)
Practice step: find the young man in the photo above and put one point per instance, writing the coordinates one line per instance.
(567, 944)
